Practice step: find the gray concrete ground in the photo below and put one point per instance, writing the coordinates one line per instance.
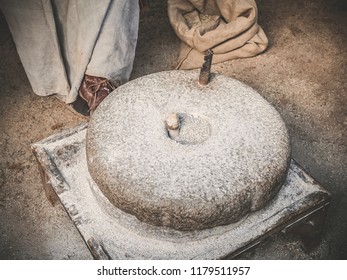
(303, 74)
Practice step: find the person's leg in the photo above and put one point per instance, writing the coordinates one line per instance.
(32, 26)
(113, 55)
(114, 51)
(55, 40)
(79, 23)
(60, 40)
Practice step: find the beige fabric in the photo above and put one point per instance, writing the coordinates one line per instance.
(228, 27)
(58, 41)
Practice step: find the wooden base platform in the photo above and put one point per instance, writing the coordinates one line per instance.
(109, 233)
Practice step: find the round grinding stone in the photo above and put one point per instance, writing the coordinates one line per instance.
(229, 156)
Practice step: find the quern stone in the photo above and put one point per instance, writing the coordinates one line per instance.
(231, 155)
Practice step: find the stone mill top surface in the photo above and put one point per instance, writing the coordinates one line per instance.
(230, 156)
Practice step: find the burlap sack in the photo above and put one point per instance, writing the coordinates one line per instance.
(228, 27)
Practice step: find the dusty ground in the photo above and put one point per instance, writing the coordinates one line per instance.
(303, 74)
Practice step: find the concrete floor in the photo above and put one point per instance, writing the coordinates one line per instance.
(303, 74)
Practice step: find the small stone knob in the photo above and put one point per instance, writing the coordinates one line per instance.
(172, 125)
(173, 122)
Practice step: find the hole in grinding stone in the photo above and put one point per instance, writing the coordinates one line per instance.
(187, 129)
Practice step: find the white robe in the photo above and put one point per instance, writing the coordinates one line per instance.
(59, 41)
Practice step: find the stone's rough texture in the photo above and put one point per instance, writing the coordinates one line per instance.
(237, 164)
